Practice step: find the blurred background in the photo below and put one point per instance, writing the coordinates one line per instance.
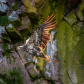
(18, 18)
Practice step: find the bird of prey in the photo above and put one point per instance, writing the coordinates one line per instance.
(39, 39)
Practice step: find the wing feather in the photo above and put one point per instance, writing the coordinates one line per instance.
(40, 35)
(49, 18)
(45, 35)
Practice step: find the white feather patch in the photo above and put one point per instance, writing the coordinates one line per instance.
(27, 40)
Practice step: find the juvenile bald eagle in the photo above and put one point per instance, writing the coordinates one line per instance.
(39, 39)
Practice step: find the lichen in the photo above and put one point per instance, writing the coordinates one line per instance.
(29, 6)
(69, 52)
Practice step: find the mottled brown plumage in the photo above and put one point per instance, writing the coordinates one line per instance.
(39, 38)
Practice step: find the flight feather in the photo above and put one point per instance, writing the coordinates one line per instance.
(39, 38)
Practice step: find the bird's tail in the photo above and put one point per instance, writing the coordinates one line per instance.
(47, 58)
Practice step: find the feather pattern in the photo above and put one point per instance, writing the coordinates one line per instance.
(40, 37)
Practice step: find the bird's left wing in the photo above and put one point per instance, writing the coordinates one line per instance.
(40, 35)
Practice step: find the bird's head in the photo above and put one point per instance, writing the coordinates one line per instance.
(20, 48)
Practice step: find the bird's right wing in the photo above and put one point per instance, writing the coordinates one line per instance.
(40, 35)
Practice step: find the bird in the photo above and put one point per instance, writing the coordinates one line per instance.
(39, 39)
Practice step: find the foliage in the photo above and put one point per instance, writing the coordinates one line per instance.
(4, 21)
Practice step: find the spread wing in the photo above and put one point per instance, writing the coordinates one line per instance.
(40, 35)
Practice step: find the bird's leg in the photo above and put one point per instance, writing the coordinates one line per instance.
(30, 59)
(36, 53)
(34, 60)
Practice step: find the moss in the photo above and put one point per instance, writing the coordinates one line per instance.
(15, 38)
(18, 33)
(23, 14)
(42, 10)
(33, 73)
(80, 12)
(39, 3)
(71, 19)
(79, 48)
(74, 69)
(4, 20)
(31, 27)
(5, 48)
(2, 82)
(14, 77)
(13, 31)
(5, 38)
(63, 49)
(26, 33)
(16, 23)
(40, 63)
(37, 82)
(7, 51)
(76, 30)
(70, 53)
(29, 6)
(33, 79)
(16, 5)
(57, 8)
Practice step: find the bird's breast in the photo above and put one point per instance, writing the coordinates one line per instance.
(31, 46)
